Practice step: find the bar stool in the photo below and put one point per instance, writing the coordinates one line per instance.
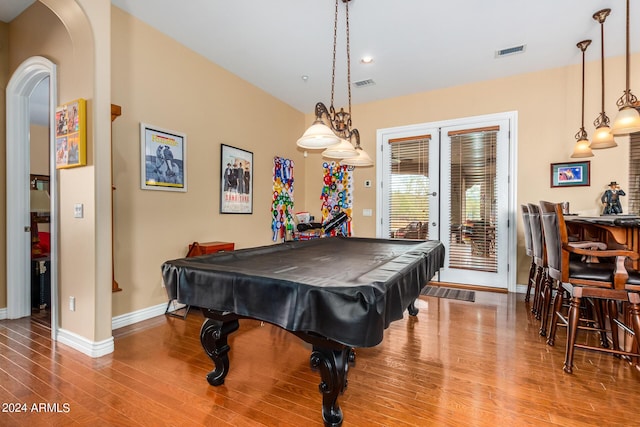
(528, 246)
(540, 261)
(604, 282)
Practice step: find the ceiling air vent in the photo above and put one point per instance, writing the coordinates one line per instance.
(364, 83)
(510, 51)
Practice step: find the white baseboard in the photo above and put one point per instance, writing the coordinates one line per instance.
(98, 349)
(138, 316)
(83, 345)
(521, 289)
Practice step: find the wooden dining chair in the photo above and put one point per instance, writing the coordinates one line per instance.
(605, 283)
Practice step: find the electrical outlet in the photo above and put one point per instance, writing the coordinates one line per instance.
(367, 212)
(72, 303)
(367, 183)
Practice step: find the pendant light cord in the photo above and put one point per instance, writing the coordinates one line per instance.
(333, 68)
(602, 63)
(348, 61)
(582, 134)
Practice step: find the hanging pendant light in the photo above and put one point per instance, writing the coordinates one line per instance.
(628, 119)
(602, 137)
(342, 150)
(581, 148)
(332, 129)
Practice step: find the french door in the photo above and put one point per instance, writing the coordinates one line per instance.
(450, 182)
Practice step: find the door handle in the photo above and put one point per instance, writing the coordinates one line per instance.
(27, 229)
(433, 224)
(434, 194)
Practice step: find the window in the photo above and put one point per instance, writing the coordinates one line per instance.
(409, 192)
(634, 174)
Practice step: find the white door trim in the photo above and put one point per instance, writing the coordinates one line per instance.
(512, 116)
(23, 81)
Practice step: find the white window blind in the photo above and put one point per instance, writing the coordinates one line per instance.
(633, 192)
(409, 188)
(472, 199)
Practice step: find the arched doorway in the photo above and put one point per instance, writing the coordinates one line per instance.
(23, 81)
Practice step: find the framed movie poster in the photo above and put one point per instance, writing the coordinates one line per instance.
(572, 174)
(236, 184)
(71, 134)
(163, 159)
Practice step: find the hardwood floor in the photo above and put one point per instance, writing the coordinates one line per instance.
(455, 364)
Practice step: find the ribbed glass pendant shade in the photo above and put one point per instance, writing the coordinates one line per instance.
(343, 150)
(361, 159)
(318, 136)
(582, 149)
(627, 121)
(602, 138)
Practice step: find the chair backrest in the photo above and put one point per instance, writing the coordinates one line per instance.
(555, 233)
(528, 244)
(537, 236)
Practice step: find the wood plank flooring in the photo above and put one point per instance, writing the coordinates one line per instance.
(455, 364)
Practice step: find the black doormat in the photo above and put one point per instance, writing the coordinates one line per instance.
(440, 292)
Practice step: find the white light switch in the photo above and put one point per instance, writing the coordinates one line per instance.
(78, 210)
(367, 212)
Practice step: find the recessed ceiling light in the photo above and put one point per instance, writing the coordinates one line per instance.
(367, 59)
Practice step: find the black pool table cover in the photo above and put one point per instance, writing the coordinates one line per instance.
(344, 289)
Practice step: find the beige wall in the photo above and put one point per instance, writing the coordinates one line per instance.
(189, 94)
(66, 37)
(548, 106)
(159, 82)
(39, 149)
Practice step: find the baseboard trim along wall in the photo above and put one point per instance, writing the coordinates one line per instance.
(3, 313)
(137, 316)
(83, 345)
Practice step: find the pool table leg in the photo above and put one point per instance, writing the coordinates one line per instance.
(213, 336)
(412, 309)
(333, 365)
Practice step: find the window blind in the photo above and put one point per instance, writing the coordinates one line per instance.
(633, 192)
(408, 209)
(472, 199)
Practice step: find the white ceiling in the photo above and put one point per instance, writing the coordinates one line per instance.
(417, 45)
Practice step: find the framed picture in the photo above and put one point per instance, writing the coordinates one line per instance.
(236, 181)
(572, 174)
(163, 159)
(71, 134)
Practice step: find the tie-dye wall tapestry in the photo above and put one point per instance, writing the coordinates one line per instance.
(336, 195)
(282, 203)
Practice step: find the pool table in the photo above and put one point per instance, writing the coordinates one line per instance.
(335, 293)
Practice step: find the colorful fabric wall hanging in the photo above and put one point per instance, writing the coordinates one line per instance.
(282, 203)
(336, 195)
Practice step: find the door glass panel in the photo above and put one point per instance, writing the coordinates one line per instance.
(409, 188)
(473, 200)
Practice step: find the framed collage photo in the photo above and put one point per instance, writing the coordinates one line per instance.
(163, 159)
(236, 183)
(572, 174)
(71, 134)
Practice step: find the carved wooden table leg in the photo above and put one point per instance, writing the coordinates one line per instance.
(333, 366)
(412, 309)
(213, 336)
